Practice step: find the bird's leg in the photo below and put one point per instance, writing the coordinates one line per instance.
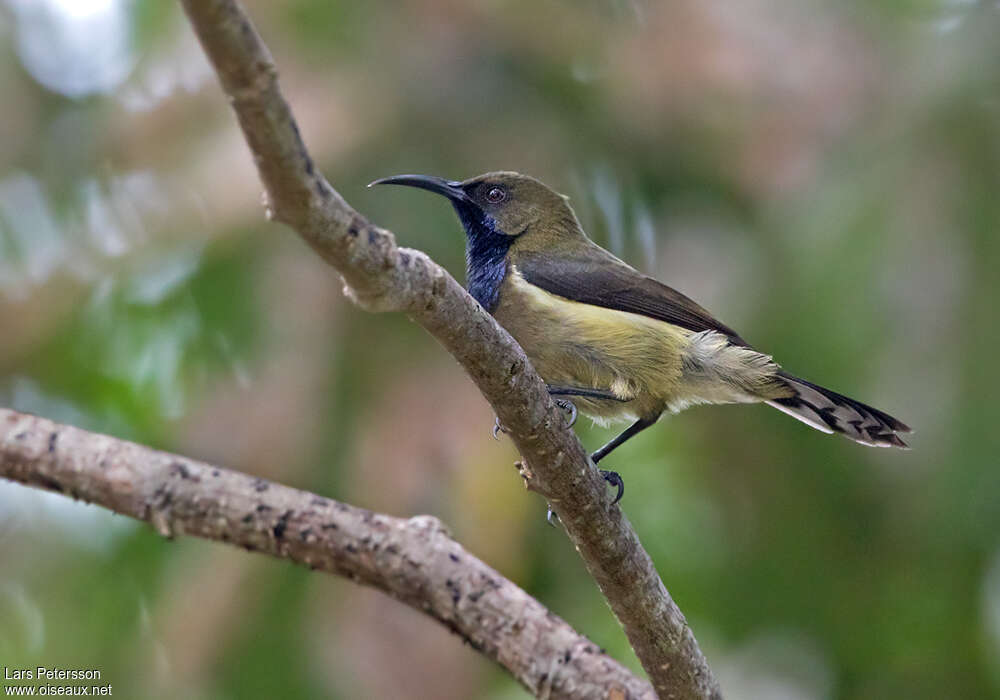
(629, 432)
(613, 477)
(583, 392)
(557, 390)
(566, 404)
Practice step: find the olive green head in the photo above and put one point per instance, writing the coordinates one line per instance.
(500, 203)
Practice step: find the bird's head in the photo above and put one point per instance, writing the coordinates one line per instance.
(506, 204)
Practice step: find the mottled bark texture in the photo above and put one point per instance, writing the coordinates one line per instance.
(414, 560)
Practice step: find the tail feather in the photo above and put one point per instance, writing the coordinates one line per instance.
(834, 413)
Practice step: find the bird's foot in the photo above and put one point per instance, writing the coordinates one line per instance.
(498, 428)
(615, 479)
(570, 408)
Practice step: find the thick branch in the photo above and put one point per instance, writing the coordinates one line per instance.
(381, 276)
(414, 560)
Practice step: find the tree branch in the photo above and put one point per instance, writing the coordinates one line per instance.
(415, 560)
(380, 276)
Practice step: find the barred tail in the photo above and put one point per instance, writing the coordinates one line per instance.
(833, 413)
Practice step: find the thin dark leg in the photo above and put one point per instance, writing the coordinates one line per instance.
(584, 392)
(614, 478)
(565, 404)
(629, 432)
(569, 406)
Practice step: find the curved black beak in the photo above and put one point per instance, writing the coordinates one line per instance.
(448, 188)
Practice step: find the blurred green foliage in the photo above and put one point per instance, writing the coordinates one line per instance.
(823, 176)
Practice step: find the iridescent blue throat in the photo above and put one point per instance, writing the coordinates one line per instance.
(485, 254)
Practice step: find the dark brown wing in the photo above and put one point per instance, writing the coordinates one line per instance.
(594, 276)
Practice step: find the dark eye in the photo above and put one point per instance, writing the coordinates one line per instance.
(496, 195)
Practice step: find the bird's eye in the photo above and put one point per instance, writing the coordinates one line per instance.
(496, 195)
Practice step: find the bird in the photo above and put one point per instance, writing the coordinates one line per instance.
(618, 344)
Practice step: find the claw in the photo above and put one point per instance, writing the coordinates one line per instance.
(551, 518)
(615, 479)
(497, 429)
(569, 407)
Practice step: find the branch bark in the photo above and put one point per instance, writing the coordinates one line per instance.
(414, 560)
(380, 276)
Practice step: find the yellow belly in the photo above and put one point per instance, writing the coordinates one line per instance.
(579, 345)
(654, 366)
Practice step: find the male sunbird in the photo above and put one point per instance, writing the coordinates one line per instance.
(622, 346)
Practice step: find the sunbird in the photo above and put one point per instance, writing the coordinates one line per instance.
(617, 343)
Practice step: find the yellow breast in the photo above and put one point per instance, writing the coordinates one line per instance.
(574, 344)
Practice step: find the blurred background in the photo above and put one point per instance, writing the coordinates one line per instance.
(822, 175)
